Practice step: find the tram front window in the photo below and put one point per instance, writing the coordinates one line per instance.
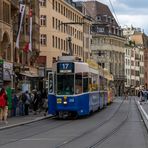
(65, 84)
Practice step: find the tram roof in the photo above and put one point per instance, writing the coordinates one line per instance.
(81, 67)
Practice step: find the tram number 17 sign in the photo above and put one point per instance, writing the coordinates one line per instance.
(51, 82)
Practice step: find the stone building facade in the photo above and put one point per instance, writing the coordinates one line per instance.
(20, 65)
(107, 42)
(60, 21)
(7, 11)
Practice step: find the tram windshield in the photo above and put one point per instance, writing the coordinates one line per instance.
(65, 84)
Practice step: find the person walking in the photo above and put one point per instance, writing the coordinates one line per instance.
(14, 103)
(126, 95)
(45, 105)
(27, 102)
(35, 102)
(3, 106)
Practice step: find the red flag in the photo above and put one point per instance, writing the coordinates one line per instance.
(26, 48)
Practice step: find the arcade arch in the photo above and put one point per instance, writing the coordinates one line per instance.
(5, 51)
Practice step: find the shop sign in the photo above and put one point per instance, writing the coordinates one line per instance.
(7, 71)
(1, 73)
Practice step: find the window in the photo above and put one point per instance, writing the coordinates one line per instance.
(65, 84)
(85, 82)
(6, 13)
(53, 24)
(43, 3)
(98, 18)
(78, 83)
(43, 20)
(53, 41)
(43, 39)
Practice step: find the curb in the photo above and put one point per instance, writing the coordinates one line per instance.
(26, 122)
(143, 114)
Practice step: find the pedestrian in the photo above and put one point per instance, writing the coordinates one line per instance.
(45, 106)
(3, 106)
(35, 102)
(145, 96)
(141, 95)
(14, 103)
(27, 102)
(126, 95)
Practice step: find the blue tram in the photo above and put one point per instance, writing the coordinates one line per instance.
(76, 88)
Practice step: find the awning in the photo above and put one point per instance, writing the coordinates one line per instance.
(30, 74)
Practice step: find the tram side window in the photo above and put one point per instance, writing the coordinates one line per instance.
(85, 82)
(94, 82)
(78, 83)
(90, 84)
(101, 83)
(105, 84)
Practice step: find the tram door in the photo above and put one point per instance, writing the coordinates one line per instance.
(51, 94)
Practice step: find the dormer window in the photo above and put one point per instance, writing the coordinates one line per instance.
(109, 19)
(98, 18)
(112, 20)
(105, 18)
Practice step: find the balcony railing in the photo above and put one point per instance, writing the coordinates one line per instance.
(120, 77)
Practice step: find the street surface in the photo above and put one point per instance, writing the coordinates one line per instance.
(117, 126)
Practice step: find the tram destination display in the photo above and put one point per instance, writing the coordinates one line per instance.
(66, 67)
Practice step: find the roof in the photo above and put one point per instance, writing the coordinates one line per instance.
(94, 8)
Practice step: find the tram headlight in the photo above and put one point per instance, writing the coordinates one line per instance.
(65, 102)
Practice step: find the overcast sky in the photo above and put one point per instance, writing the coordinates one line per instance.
(130, 12)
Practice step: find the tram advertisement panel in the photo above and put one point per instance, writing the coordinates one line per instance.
(65, 67)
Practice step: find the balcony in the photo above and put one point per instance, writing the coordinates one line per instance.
(120, 77)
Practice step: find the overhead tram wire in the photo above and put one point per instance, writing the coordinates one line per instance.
(114, 12)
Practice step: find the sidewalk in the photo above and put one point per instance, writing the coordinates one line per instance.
(143, 108)
(21, 120)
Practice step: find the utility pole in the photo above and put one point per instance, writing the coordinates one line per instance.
(69, 38)
(70, 47)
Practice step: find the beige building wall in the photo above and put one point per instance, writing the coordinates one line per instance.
(6, 42)
(58, 12)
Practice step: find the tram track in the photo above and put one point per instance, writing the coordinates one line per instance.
(113, 132)
(43, 129)
(66, 142)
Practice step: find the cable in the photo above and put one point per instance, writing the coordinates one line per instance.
(114, 12)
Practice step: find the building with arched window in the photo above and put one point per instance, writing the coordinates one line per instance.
(6, 42)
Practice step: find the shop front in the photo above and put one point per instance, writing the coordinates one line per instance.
(29, 78)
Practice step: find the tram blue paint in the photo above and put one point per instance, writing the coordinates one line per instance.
(105, 98)
(79, 88)
(82, 104)
(51, 104)
(101, 100)
(94, 101)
